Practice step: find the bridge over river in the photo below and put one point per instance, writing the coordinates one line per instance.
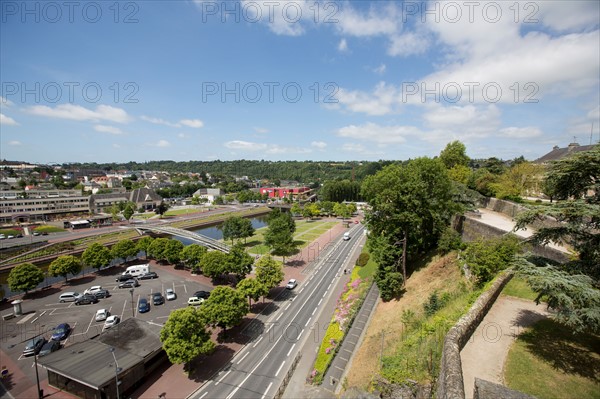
(198, 238)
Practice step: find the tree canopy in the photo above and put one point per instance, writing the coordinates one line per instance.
(268, 272)
(237, 227)
(454, 154)
(184, 335)
(226, 307)
(124, 249)
(25, 277)
(96, 256)
(64, 265)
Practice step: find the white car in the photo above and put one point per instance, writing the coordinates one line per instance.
(291, 284)
(102, 314)
(111, 321)
(170, 294)
(195, 301)
(93, 290)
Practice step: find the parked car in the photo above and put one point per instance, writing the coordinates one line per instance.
(61, 332)
(202, 294)
(19, 235)
(157, 298)
(291, 284)
(170, 294)
(120, 278)
(195, 301)
(36, 233)
(111, 321)
(148, 276)
(93, 289)
(2, 237)
(34, 346)
(143, 305)
(102, 314)
(69, 297)
(86, 299)
(102, 294)
(49, 347)
(129, 283)
(44, 233)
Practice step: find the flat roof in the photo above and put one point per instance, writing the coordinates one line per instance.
(78, 222)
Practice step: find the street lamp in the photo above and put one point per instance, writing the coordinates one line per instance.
(132, 307)
(117, 371)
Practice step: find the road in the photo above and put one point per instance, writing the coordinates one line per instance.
(258, 369)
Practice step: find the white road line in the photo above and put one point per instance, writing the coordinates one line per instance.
(288, 305)
(260, 339)
(279, 369)
(299, 335)
(325, 293)
(279, 317)
(290, 351)
(332, 281)
(320, 300)
(243, 357)
(308, 321)
(204, 394)
(313, 312)
(267, 390)
(328, 287)
(222, 378)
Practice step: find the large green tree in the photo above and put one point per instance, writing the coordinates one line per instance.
(157, 248)
(226, 307)
(184, 335)
(572, 288)
(64, 265)
(214, 264)
(268, 272)
(239, 262)
(96, 256)
(124, 249)
(192, 256)
(172, 252)
(412, 201)
(252, 289)
(237, 227)
(280, 234)
(454, 154)
(143, 245)
(25, 277)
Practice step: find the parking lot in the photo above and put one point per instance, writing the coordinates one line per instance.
(44, 312)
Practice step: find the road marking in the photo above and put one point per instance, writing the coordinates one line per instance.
(243, 357)
(328, 287)
(24, 319)
(320, 300)
(267, 390)
(299, 335)
(222, 378)
(301, 289)
(279, 317)
(290, 351)
(279, 369)
(204, 394)
(313, 312)
(325, 293)
(261, 337)
(308, 321)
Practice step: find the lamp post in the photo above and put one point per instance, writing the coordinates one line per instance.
(117, 371)
(132, 307)
(37, 377)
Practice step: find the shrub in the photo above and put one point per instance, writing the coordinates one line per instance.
(449, 241)
(485, 258)
(363, 259)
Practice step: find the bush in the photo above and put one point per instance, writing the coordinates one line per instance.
(485, 258)
(450, 240)
(363, 259)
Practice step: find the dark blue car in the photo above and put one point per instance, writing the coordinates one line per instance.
(61, 332)
(143, 305)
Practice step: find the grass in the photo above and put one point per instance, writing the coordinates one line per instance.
(48, 229)
(182, 211)
(12, 232)
(549, 361)
(519, 288)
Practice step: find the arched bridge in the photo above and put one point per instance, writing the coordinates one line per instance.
(198, 238)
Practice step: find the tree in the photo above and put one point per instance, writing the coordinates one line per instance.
(296, 209)
(454, 154)
(519, 180)
(125, 249)
(486, 257)
(237, 227)
(192, 256)
(226, 307)
(129, 211)
(214, 264)
(25, 277)
(144, 244)
(157, 248)
(172, 252)
(460, 173)
(161, 209)
(252, 289)
(342, 210)
(413, 201)
(184, 336)
(64, 265)
(279, 237)
(268, 272)
(96, 256)
(239, 262)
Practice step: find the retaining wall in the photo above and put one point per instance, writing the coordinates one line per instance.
(450, 384)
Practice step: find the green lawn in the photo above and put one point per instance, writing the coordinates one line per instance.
(306, 232)
(183, 211)
(519, 288)
(549, 361)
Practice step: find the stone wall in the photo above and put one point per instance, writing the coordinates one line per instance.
(489, 390)
(512, 209)
(450, 383)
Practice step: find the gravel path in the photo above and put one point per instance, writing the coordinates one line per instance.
(485, 353)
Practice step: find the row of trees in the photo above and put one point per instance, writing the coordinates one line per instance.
(324, 208)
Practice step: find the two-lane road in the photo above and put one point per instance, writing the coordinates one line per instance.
(258, 369)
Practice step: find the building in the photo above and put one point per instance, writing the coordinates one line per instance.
(38, 205)
(293, 193)
(145, 198)
(87, 369)
(559, 153)
(210, 194)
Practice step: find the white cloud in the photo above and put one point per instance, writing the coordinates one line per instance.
(360, 149)
(5, 102)
(381, 135)
(461, 117)
(195, 123)
(283, 17)
(261, 130)
(7, 120)
(264, 148)
(378, 21)
(79, 113)
(15, 143)
(380, 70)
(383, 100)
(520, 132)
(245, 145)
(343, 46)
(318, 144)
(567, 15)
(115, 145)
(406, 44)
(159, 144)
(108, 129)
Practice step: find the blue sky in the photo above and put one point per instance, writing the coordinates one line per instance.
(286, 80)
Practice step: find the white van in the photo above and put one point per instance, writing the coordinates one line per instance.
(136, 271)
(346, 236)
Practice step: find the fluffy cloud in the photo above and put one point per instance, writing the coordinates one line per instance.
(5, 102)
(381, 135)
(15, 143)
(79, 113)
(7, 120)
(193, 123)
(245, 145)
(380, 70)
(319, 145)
(264, 148)
(107, 129)
(343, 46)
(383, 100)
(159, 144)
(406, 44)
(520, 132)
